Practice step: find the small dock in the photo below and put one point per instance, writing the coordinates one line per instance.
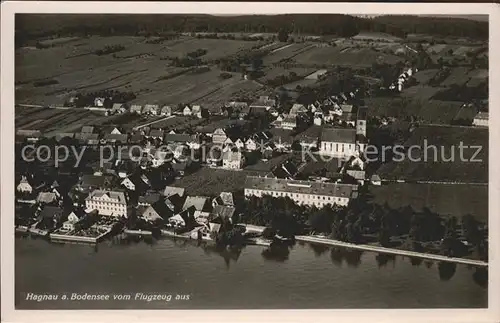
(428, 256)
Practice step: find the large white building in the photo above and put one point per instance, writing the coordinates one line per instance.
(107, 203)
(340, 142)
(302, 192)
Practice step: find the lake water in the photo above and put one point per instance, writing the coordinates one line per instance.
(308, 277)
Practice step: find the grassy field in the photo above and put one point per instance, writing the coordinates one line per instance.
(211, 182)
(267, 166)
(431, 166)
(458, 76)
(444, 199)
(430, 111)
(285, 52)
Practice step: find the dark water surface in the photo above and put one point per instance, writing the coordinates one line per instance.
(307, 277)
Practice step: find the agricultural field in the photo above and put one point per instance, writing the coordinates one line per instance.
(423, 77)
(73, 67)
(211, 182)
(458, 76)
(51, 121)
(431, 166)
(429, 111)
(268, 166)
(444, 199)
(216, 48)
(285, 52)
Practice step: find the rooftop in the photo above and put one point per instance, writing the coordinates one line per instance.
(301, 187)
(114, 195)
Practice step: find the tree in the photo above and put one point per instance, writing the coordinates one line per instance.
(282, 35)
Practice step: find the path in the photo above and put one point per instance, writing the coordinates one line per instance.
(152, 122)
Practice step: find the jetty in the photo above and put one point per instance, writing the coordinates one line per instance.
(429, 256)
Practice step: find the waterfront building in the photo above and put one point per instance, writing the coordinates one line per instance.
(339, 142)
(481, 119)
(302, 192)
(110, 203)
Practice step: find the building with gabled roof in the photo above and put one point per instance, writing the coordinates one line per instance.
(172, 190)
(110, 203)
(302, 192)
(198, 202)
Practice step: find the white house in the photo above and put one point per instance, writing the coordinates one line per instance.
(128, 184)
(110, 203)
(69, 224)
(339, 142)
(187, 111)
(233, 160)
(250, 144)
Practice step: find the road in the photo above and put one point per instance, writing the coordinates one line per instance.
(337, 243)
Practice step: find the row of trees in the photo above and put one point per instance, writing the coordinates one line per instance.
(109, 50)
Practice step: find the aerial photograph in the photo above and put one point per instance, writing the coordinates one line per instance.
(292, 161)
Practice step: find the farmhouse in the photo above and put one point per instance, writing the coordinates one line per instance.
(297, 109)
(69, 224)
(481, 119)
(115, 138)
(302, 192)
(187, 111)
(24, 186)
(219, 136)
(30, 135)
(149, 198)
(339, 142)
(263, 102)
(107, 203)
(166, 110)
(200, 203)
(172, 190)
(361, 121)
